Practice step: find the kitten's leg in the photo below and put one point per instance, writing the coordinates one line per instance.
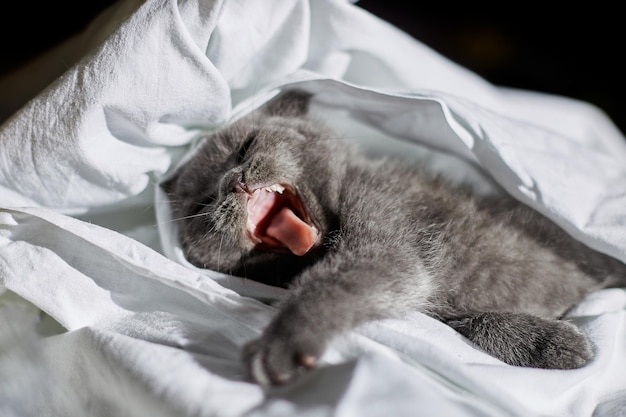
(525, 340)
(289, 346)
(329, 300)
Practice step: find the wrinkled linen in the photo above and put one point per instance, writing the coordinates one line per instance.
(101, 315)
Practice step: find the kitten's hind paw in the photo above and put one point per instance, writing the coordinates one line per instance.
(568, 348)
(525, 340)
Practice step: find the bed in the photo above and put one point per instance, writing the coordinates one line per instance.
(100, 314)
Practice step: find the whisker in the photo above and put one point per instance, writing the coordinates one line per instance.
(245, 270)
(219, 253)
(202, 203)
(181, 218)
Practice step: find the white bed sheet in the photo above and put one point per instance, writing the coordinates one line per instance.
(85, 240)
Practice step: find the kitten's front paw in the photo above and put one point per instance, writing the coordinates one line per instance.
(277, 358)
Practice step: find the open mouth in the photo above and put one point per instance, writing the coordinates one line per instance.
(278, 220)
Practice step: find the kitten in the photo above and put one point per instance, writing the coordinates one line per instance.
(277, 198)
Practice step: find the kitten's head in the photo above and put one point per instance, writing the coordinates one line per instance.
(263, 188)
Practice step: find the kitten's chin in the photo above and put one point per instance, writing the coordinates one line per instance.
(278, 220)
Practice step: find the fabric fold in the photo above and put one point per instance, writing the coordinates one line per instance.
(87, 239)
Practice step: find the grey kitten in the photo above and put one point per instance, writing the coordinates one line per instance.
(277, 198)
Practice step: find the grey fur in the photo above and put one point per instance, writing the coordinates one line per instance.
(392, 240)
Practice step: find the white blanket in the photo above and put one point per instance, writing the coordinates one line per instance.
(85, 240)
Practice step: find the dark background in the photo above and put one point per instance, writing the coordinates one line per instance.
(576, 52)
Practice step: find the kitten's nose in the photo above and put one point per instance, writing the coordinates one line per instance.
(233, 181)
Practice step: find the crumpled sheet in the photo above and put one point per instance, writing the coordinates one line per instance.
(101, 316)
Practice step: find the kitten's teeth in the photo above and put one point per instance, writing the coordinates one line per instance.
(251, 226)
(275, 188)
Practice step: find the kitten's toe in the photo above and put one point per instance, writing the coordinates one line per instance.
(566, 348)
(276, 361)
(254, 359)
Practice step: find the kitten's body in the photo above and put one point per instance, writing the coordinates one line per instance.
(383, 240)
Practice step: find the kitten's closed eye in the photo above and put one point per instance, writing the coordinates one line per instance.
(245, 147)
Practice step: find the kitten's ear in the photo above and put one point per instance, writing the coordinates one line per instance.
(292, 103)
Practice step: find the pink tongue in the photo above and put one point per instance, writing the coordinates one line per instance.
(291, 231)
